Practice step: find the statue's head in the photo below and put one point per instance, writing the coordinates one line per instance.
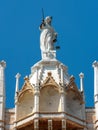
(48, 19)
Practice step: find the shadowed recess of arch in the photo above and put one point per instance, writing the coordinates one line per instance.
(25, 105)
(23, 93)
(49, 99)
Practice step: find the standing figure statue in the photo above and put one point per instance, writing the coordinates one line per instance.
(48, 35)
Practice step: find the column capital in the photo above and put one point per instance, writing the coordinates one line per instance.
(61, 65)
(81, 75)
(2, 64)
(62, 91)
(95, 64)
(18, 75)
(36, 91)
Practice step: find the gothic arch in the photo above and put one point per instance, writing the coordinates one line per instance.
(25, 104)
(49, 99)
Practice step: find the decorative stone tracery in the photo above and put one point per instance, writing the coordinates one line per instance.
(27, 87)
(49, 81)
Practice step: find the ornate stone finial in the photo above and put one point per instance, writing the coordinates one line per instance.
(18, 76)
(72, 78)
(26, 78)
(61, 65)
(17, 83)
(95, 64)
(3, 64)
(81, 75)
(49, 73)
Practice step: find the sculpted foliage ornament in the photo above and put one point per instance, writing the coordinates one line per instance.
(49, 81)
(27, 87)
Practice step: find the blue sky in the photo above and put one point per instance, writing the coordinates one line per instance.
(76, 22)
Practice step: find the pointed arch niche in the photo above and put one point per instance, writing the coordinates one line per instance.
(49, 99)
(49, 96)
(25, 105)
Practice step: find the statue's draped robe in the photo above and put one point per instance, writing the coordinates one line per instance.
(46, 38)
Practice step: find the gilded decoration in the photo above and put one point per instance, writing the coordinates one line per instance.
(49, 81)
(27, 87)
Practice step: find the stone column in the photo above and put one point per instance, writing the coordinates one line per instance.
(95, 66)
(62, 75)
(2, 94)
(81, 75)
(63, 100)
(63, 124)
(17, 83)
(36, 124)
(16, 96)
(36, 99)
(49, 124)
(37, 76)
(62, 92)
(36, 96)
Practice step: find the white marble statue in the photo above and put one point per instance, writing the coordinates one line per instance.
(48, 35)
